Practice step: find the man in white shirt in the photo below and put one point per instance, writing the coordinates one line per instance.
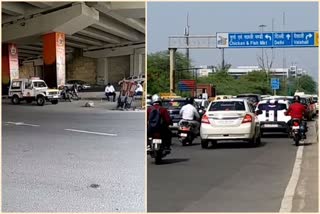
(110, 91)
(139, 89)
(190, 113)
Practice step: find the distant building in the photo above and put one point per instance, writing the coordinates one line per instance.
(292, 71)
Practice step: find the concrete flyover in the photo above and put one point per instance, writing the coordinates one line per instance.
(104, 41)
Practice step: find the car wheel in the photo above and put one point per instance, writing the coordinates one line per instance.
(204, 144)
(15, 100)
(41, 100)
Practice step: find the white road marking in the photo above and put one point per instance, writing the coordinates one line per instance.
(286, 204)
(22, 124)
(87, 132)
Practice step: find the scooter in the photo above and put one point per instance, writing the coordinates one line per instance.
(156, 148)
(185, 132)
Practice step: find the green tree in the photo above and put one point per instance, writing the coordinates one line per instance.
(304, 83)
(158, 71)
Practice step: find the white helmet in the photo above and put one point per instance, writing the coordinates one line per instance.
(155, 98)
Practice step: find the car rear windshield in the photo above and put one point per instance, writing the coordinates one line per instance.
(173, 103)
(227, 106)
(269, 106)
(252, 98)
(304, 101)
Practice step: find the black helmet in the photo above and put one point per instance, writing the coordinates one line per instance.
(296, 98)
(190, 100)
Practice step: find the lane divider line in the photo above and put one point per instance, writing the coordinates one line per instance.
(87, 132)
(22, 124)
(286, 204)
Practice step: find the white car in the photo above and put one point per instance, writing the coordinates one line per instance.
(230, 119)
(273, 118)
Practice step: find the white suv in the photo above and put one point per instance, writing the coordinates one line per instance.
(273, 118)
(32, 90)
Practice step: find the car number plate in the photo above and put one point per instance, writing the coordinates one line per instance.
(56, 96)
(270, 125)
(175, 124)
(295, 127)
(183, 134)
(157, 141)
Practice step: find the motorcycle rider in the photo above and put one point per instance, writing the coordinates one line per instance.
(296, 111)
(190, 113)
(165, 132)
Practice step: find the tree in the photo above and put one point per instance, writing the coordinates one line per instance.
(158, 71)
(305, 84)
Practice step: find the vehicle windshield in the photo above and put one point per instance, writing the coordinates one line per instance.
(227, 106)
(269, 106)
(253, 99)
(304, 101)
(174, 103)
(39, 84)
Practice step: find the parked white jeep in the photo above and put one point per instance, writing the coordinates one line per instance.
(30, 90)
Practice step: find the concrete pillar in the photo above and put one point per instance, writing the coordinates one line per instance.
(10, 65)
(172, 68)
(54, 59)
(102, 71)
(132, 64)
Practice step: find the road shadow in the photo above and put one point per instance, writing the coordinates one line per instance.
(236, 145)
(173, 160)
(275, 135)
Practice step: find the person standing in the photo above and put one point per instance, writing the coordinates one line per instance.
(110, 91)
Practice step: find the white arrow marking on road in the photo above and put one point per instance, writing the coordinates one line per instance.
(288, 36)
(87, 132)
(22, 124)
(286, 204)
(308, 36)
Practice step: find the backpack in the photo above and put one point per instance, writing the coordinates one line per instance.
(155, 120)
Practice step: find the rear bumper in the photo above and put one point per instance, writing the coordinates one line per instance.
(274, 126)
(226, 133)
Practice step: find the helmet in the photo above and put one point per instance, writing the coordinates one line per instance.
(156, 98)
(190, 100)
(296, 98)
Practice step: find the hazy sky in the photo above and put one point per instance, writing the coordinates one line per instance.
(207, 18)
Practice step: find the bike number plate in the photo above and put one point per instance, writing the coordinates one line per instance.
(295, 127)
(183, 134)
(157, 141)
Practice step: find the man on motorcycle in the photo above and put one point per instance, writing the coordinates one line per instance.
(296, 111)
(190, 113)
(166, 121)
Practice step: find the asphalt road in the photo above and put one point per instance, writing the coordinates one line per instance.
(66, 158)
(230, 178)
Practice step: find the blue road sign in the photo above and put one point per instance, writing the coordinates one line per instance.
(266, 40)
(275, 83)
(294, 39)
(250, 40)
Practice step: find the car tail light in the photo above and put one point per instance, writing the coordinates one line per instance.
(247, 119)
(205, 119)
(295, 123)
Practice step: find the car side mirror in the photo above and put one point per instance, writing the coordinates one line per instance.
(258, 112)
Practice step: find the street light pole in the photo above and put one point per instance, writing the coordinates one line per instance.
(262, 55)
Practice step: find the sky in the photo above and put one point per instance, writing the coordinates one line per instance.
(207, 18)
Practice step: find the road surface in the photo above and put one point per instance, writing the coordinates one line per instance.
(66, 158)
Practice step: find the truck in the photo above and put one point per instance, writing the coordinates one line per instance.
(33, 89)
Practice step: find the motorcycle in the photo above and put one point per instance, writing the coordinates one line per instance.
(156, 148)
(296, 131)
(185, 132)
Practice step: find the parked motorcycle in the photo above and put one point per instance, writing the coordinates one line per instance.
(156, 148)
(185, 132)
